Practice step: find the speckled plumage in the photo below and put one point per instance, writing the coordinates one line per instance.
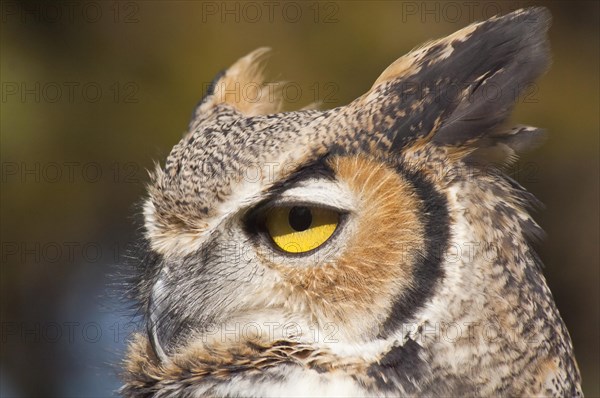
(428, 287)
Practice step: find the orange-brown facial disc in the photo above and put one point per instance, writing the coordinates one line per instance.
(375, 263)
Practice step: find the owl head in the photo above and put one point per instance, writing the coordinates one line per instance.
(329, 242)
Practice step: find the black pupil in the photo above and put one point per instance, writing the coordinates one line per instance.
(300, 218)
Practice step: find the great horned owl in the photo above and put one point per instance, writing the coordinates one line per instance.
(370, 249)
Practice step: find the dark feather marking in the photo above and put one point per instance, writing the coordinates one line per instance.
(316, 168)
(401, 365)
(427, 271)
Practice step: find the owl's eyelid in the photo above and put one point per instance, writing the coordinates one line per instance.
(292, 202)
(318, 193)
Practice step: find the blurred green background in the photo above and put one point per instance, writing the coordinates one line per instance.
(94, 92)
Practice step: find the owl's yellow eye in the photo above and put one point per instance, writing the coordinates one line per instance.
(299, 229)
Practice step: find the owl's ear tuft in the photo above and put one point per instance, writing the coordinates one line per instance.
(503, 146)
(515, 52)
(460, 89)
(243, 87)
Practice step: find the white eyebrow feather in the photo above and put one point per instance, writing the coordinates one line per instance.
(321, 192)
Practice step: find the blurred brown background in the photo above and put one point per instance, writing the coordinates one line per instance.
(94, 92)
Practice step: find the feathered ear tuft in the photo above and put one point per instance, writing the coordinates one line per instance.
(513, 53)
(243, 86)
(503, 146)
(461, 89)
